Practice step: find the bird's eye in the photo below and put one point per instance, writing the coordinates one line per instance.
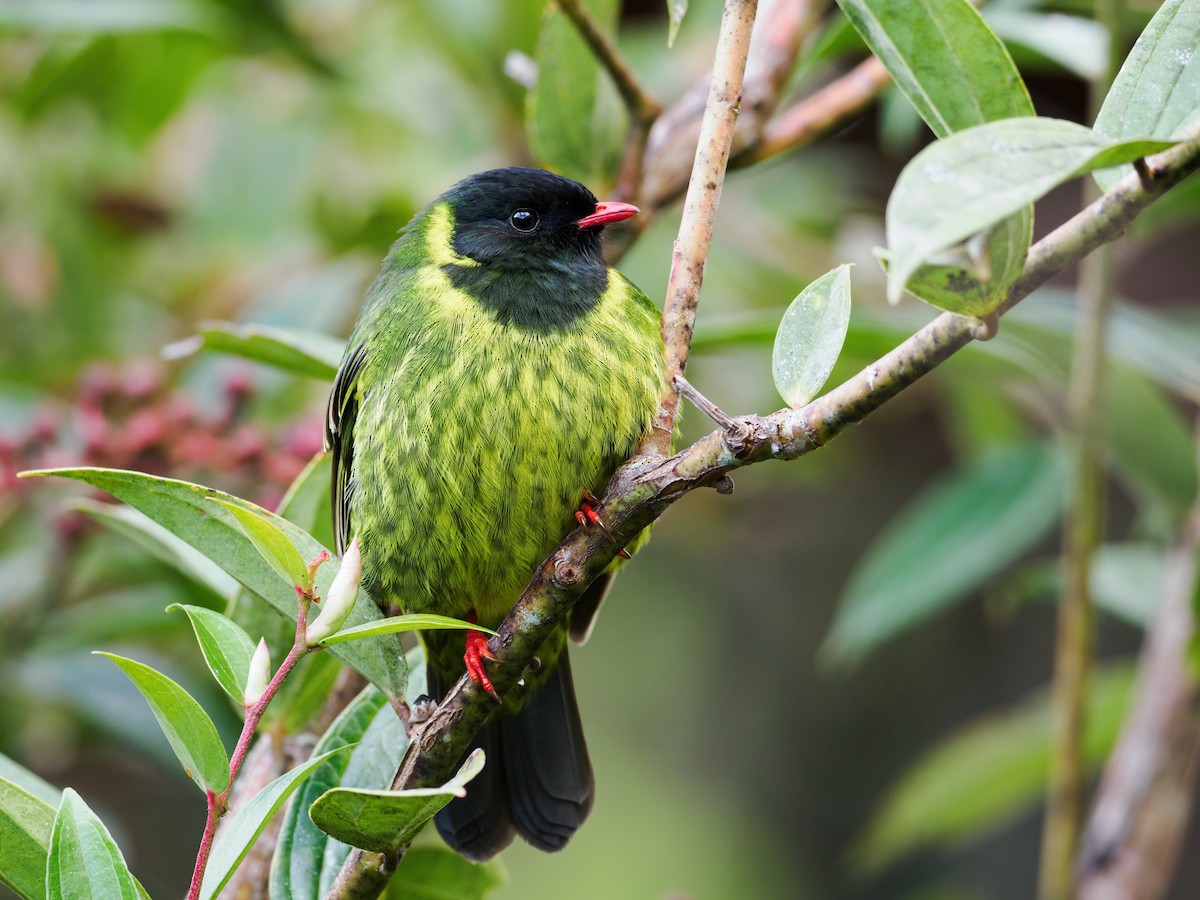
(523, 220)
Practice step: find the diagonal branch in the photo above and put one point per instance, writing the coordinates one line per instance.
(643, 106)
(645, 487)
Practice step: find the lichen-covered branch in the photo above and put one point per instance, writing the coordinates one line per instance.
(641, 490)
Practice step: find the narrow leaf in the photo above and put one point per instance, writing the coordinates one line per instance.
(271, 542)
(226, 647)
(560, 110)
(185, 510)
(384, 820)
(942, 799)
(967, 182)
(810, 337)
(161, 544)
(1157, 92)
(303, 352)
(31, 783)
(84, 861)
(954, 537)
(1078, 45)
(398, 624)
(25, 826)
(239, 832)
(188, 729)
(676, 10)
(945, 60)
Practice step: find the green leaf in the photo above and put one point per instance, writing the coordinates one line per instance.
(304, 691)
(31, 783)
(438, 873)
(398, 624)
(384, 820)
(1127, 580)
(303, 352)
(226, 647)
(306, 859)
(1078, 45)
(1153, 448)
(271, 542)
(161, 544)
(189, 730)
(676, 10)
(560, 110)
(957, 74)
(1157, 92)
(810, 337)
(240, 831)
(84, 861)
(967, 182)
(957, 534)
(972, 279)
(944, 58)
(185, 510)
(943, 799)
(25, 825)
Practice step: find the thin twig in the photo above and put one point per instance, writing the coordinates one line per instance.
(640, 491)
(700, 208)
(819, 114)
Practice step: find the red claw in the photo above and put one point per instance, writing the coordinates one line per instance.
(477, 651)
(587, 515)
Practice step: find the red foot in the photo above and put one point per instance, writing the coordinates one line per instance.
(476, 652)
(587, 515)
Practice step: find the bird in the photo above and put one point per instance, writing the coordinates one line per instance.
(498, 373)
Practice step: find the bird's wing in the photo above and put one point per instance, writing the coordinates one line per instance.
(339, 439)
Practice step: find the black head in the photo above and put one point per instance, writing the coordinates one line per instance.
(519, 217)
(537, 236)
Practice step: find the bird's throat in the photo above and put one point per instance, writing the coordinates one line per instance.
(545, 298)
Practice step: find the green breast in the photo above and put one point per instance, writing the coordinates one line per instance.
(474, 439)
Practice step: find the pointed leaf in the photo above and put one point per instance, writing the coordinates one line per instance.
(384, 820)
(238, 833)
(1078, 45)
(1157, 92)
(190, 731)
(810, 337)
(31, 783)
(676, 10)
(971, 180)
(560, 109)
(942, 799)
(84, 861)
(271, 542)
(306, 859)
(226, 647)
(161, 544)
(954, 537)
(185, 510)
(398, 624)
(25, 826)
(303, 352)
(945, 60)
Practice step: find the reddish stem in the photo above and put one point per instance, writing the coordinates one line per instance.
(218, 804)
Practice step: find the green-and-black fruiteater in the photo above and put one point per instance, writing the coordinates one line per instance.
(498, 370)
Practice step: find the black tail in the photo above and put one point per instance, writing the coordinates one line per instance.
(537, 781)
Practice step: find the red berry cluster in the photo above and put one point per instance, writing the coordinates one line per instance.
(130, 416)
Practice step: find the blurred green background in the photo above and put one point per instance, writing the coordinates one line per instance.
(164, 163)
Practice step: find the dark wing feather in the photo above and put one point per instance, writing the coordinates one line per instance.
(339, 439)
